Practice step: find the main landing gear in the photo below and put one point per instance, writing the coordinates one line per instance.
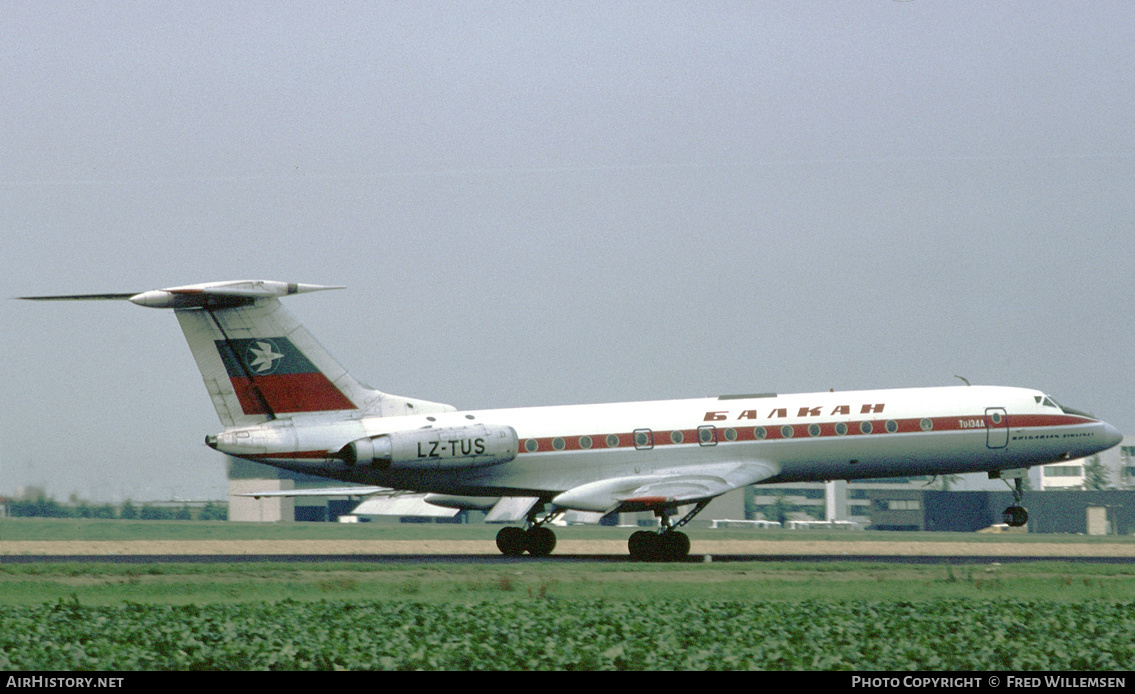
(1015, 516)
(667, 543)
(536, 539)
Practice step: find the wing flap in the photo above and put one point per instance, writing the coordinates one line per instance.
(510, 509)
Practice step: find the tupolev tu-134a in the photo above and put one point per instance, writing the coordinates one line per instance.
(284, 401)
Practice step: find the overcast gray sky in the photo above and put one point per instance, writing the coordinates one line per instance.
(549, 203)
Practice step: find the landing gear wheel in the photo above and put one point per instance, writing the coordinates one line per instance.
(512, 541)
(642, 545)
(674, 546)
(667, 546)
(540, 541)
(1015, 516)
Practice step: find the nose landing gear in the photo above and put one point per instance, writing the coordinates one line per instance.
(1016, 515)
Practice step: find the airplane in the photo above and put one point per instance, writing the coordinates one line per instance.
(284, 401)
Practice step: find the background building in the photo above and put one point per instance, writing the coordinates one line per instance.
(1109, 512)
(1110, 469)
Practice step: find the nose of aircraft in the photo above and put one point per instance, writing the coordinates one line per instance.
(1111, 435)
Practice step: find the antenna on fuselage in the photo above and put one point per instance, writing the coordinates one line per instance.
(964, 379)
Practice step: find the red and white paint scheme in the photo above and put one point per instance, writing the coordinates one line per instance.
(286, 402)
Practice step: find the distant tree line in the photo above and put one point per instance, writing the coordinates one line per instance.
(43, 507)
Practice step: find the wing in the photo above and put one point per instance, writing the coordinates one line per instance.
(383, 501)
(673, 487)
(378, 501)
(402, 505)
(328, 491)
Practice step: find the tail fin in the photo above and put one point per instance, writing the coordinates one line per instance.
(258, 362)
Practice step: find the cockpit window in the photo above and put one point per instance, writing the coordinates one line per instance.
(1049, 402)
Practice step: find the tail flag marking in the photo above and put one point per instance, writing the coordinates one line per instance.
(271, 376)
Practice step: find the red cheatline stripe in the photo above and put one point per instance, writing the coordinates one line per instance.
(772, 431)
(299, 455)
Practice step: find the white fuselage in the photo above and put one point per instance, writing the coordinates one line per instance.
(808, 436)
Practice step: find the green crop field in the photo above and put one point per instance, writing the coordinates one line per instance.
(551, 614)
(568, 635)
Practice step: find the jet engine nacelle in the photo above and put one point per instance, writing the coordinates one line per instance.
(445, 448)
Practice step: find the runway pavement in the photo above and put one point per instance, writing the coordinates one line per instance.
(566, 550)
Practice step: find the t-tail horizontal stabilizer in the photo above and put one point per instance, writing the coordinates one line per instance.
(207, 295)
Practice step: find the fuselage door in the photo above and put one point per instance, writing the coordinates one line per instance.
(996, 427)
